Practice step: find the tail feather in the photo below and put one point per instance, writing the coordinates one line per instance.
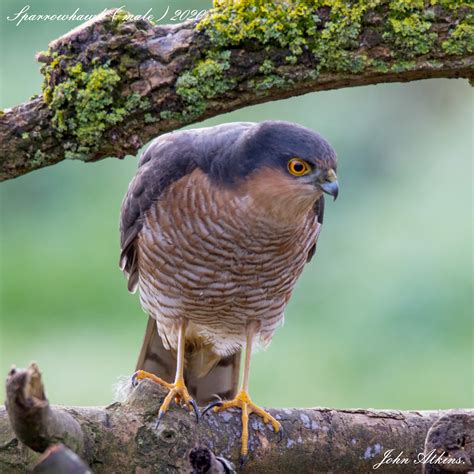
(154, 357)
(207, 375)
(221, 381)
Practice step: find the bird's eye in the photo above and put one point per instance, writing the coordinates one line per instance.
(298, 167)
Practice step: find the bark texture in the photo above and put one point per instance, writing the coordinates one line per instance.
(123, 437)
(112, 85)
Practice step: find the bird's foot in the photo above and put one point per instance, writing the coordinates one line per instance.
(243, 401)
(177, 391)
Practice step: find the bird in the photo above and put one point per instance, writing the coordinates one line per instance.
(215, 229)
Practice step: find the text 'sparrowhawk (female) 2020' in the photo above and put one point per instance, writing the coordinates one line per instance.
(215, 229)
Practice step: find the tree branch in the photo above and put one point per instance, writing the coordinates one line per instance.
(111, 85)
(37, 424)
(123, 437)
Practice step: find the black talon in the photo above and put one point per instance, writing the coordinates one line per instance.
(217, 403)
(196, 409)
(243, 459)
(134, 380)
(281, 434)
(159, 418)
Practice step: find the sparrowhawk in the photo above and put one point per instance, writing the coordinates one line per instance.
(215, 229)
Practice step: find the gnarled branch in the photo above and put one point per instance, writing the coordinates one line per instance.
(111, 85)
(123, 437)
(37, 424)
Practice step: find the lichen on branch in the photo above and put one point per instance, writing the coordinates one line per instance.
(85, 103)
(330, 28)
(87, 99)
(204, 81)
(330, 32)
(113, 84)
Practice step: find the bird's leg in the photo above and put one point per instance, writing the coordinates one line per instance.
(243, 401)
(177, 390)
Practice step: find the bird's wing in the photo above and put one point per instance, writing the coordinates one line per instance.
(319, 212)
(166, 160)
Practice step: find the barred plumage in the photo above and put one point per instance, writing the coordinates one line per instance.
(214, 257)
(215, 229)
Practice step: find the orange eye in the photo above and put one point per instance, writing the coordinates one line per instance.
(298, 167)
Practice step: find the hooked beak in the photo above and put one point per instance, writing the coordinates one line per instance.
(330, 187)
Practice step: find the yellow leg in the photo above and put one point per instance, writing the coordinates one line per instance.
(177, 390)
(242, 400)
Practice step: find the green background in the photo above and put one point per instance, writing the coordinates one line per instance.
(381, 318)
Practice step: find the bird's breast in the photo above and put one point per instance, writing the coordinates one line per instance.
(207, 252)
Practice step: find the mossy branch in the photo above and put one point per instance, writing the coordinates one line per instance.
(123, 437)
(111, 85)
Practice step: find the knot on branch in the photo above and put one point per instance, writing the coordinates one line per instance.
(449, 445)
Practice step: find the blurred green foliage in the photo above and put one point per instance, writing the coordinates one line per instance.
(381, 318)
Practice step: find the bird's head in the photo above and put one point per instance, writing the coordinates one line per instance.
(287, 167)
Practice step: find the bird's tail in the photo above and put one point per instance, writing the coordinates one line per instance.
(206, 374)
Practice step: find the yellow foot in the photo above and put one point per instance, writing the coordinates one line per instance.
(177, 391)
(243, 401)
